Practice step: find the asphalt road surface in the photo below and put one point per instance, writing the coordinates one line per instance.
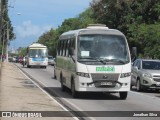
(136, 102)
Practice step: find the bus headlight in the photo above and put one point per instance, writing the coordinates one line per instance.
(83, 74)
(125, 75)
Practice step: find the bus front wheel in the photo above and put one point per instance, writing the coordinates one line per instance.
(123, 95)
(28, 66)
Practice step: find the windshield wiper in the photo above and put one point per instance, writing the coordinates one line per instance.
(114, 60)
(97, 59)
(105, 61)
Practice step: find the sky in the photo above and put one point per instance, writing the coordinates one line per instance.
(31, 18)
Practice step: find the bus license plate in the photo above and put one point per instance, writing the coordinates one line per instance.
(37, 63)
(106, 83)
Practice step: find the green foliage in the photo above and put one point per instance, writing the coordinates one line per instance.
(6, 24)
(50, 38)
(149, 39)
(2, 47)
(6, 20)
(22, 51)
(139, 20)
(85, 18)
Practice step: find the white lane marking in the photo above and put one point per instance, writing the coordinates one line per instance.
(61, 98)
(47, 94)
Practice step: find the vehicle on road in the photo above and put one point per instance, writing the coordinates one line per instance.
(20, 59)
(94, 59)
(51, 60)
(146, 74)
(10, 59)
(24, 61)
(15, 59)
(37, 55)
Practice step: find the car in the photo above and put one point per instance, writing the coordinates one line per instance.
(146, 74)
(10, 59)
(51, 60)
(15, 59)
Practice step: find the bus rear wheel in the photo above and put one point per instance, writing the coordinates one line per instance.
(63, 88)
(74, 92)
(123, 95)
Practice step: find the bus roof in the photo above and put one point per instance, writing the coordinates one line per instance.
(90, 30)
(37, 45)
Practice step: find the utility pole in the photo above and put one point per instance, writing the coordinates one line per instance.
(1, 18)
(5, 29)
(1, 15)
(3, 39)
(7, 42)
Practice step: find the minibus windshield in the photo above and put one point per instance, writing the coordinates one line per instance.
(111, 48)
(38, 53)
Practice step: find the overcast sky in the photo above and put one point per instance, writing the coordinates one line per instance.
(31, 18)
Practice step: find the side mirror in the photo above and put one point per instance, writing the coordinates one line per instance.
(135, 67)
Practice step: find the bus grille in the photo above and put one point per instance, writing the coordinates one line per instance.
(100, 77)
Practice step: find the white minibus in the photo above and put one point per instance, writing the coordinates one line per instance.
(94, 59)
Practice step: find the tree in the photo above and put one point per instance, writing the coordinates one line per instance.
(51, 37)
(5, 24)
(22, 51)
(149, 39)
(135, 18)
(85, 18)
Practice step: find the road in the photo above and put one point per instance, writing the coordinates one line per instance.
(136, 101)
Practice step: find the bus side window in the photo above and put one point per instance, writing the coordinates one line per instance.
(72, 47)
(67, 48)
(58, 48)
(62, 47)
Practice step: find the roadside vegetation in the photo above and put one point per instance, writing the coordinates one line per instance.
(4, 22)
(139, 20)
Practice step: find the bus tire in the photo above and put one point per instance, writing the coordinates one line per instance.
(123, 95)
(74, 92)
(55, 77)
(63, 88)
(28, 66)
(131, 86)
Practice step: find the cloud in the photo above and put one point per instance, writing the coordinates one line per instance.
(27, 29)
